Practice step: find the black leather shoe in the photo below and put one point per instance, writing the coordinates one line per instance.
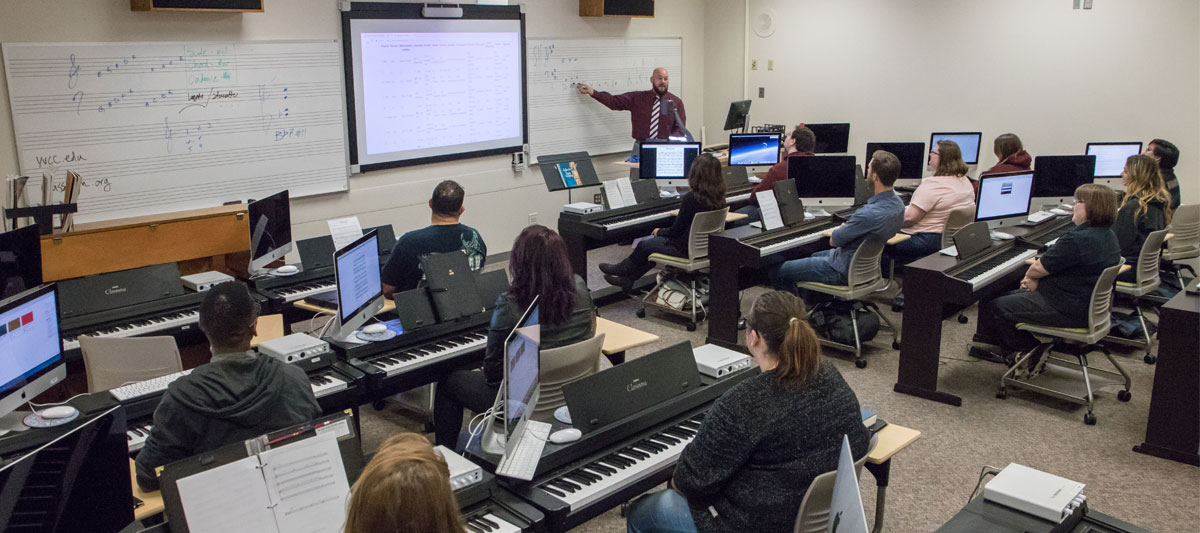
(625, 284)
(611, 269)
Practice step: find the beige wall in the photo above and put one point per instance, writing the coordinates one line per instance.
(499, 199)
(1057, 77)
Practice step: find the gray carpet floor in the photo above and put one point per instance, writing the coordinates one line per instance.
(933, 478)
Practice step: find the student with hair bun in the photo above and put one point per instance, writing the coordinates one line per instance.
(405, 487)
(764, 441)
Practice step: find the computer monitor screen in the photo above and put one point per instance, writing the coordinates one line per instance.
(356, 270)
(746, 149)
(30, 346)
(1057, 176)
(270, 229)
(1004, 198)
(1110, 157)
(667, 161)
(823, 180)
(20, 260)
(911, 155)
(967, 141)
(736, 118)
(521, 367)
(833, 138)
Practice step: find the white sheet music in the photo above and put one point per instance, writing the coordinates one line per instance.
(626, 188)
(769, 209)
(308, 482)
(613, 193)
(344, 231)
(227, 498)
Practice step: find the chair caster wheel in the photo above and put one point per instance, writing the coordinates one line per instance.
(895, 345)
(1002, 394)
(378, 405)
(1150, 359)
(860, 363)
(1124, 395)
(691, 326)
(641, 313)
(897, 308)
(962, 319)
(1089, 419)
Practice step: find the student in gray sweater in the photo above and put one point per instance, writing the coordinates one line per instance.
(764, 441)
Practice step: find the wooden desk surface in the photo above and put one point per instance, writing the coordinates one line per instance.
(619, 337)
(729, 217)
(152, 501)
(388, 305)
(269, 327)
(892, 438)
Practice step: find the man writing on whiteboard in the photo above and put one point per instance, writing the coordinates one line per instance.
(652, 112)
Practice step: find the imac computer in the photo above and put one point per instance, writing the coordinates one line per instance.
(270, 230)
(667, 162)
(1057, 176)
(749, 149)
(738, 116)
(359, 287)
(833, 138)
(20, 260)
(911, 156)
(518, 392)
(823, 181)
(1004, 200)
(1111, 156)
(967, 141)
(30, 351)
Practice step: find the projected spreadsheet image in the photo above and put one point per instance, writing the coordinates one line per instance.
(1004, 197)
(423, 90)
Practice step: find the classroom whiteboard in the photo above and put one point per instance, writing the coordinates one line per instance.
(159, 127)
(562, 120)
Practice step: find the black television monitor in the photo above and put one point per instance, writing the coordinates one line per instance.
(1055, 177)
(739, 110)
(832, 138)
(749, 149)
(823, 181)
(910, 154)
(30, 350)
(1111, 156)
(20, 260)
(270, 230)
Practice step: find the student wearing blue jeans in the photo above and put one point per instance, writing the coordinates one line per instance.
(882, 216)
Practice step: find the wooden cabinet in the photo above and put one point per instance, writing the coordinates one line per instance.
(202, 236)
(616, 8)
(197, 5)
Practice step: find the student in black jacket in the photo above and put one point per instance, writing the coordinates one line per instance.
(1145, 209)
(707, 194)
(1167, 155)
(238, 395)
(764, 441)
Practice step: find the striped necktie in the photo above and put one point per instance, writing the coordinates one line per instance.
(654, 112)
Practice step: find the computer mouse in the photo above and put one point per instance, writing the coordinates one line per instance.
(1060, 211)
(374, 329)
(564, 436)
(287, 269)
(63, 411)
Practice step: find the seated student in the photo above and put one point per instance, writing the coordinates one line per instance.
(799, 142)
(763, 442)
(405, 487)
(1144, 210)
(1011, 155)
(1167, 155)
(539, 266)
(707, 194)
(237, 395)
(882, 216)
(1057, 288)
(444, 234)
(925, 217)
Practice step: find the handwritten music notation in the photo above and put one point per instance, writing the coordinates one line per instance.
(155, 127)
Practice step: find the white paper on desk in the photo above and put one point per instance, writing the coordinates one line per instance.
(846, 507)
(344, 231)
(307, 481)
(626, 188)
(228, 498)
(951, 251)
(769, 209)
(613, 194)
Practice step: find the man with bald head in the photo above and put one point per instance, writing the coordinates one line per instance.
(652, 112)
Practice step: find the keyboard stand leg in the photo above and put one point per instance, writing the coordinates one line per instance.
(881, 472)
(922, 327)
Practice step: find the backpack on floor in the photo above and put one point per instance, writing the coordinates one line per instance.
(1127, 326)
(832, 321)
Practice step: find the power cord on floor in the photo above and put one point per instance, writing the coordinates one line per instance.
(986, 471)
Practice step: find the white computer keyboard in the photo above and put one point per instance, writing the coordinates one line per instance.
(1037, 217)
(146, 388)
(521, 462)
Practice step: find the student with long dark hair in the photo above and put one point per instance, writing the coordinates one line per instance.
(405, 487)
(707, 194)
(540, 268)
(764, 441)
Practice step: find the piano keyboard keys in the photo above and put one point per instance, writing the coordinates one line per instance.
(137, 328)
(394, 363)
(301, 292)
(632, 220)
(136, 436)
(325, 382)
(595, 480)
(986, 271)
(486, 522)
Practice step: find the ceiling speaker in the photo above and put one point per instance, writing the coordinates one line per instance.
(764, 23)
